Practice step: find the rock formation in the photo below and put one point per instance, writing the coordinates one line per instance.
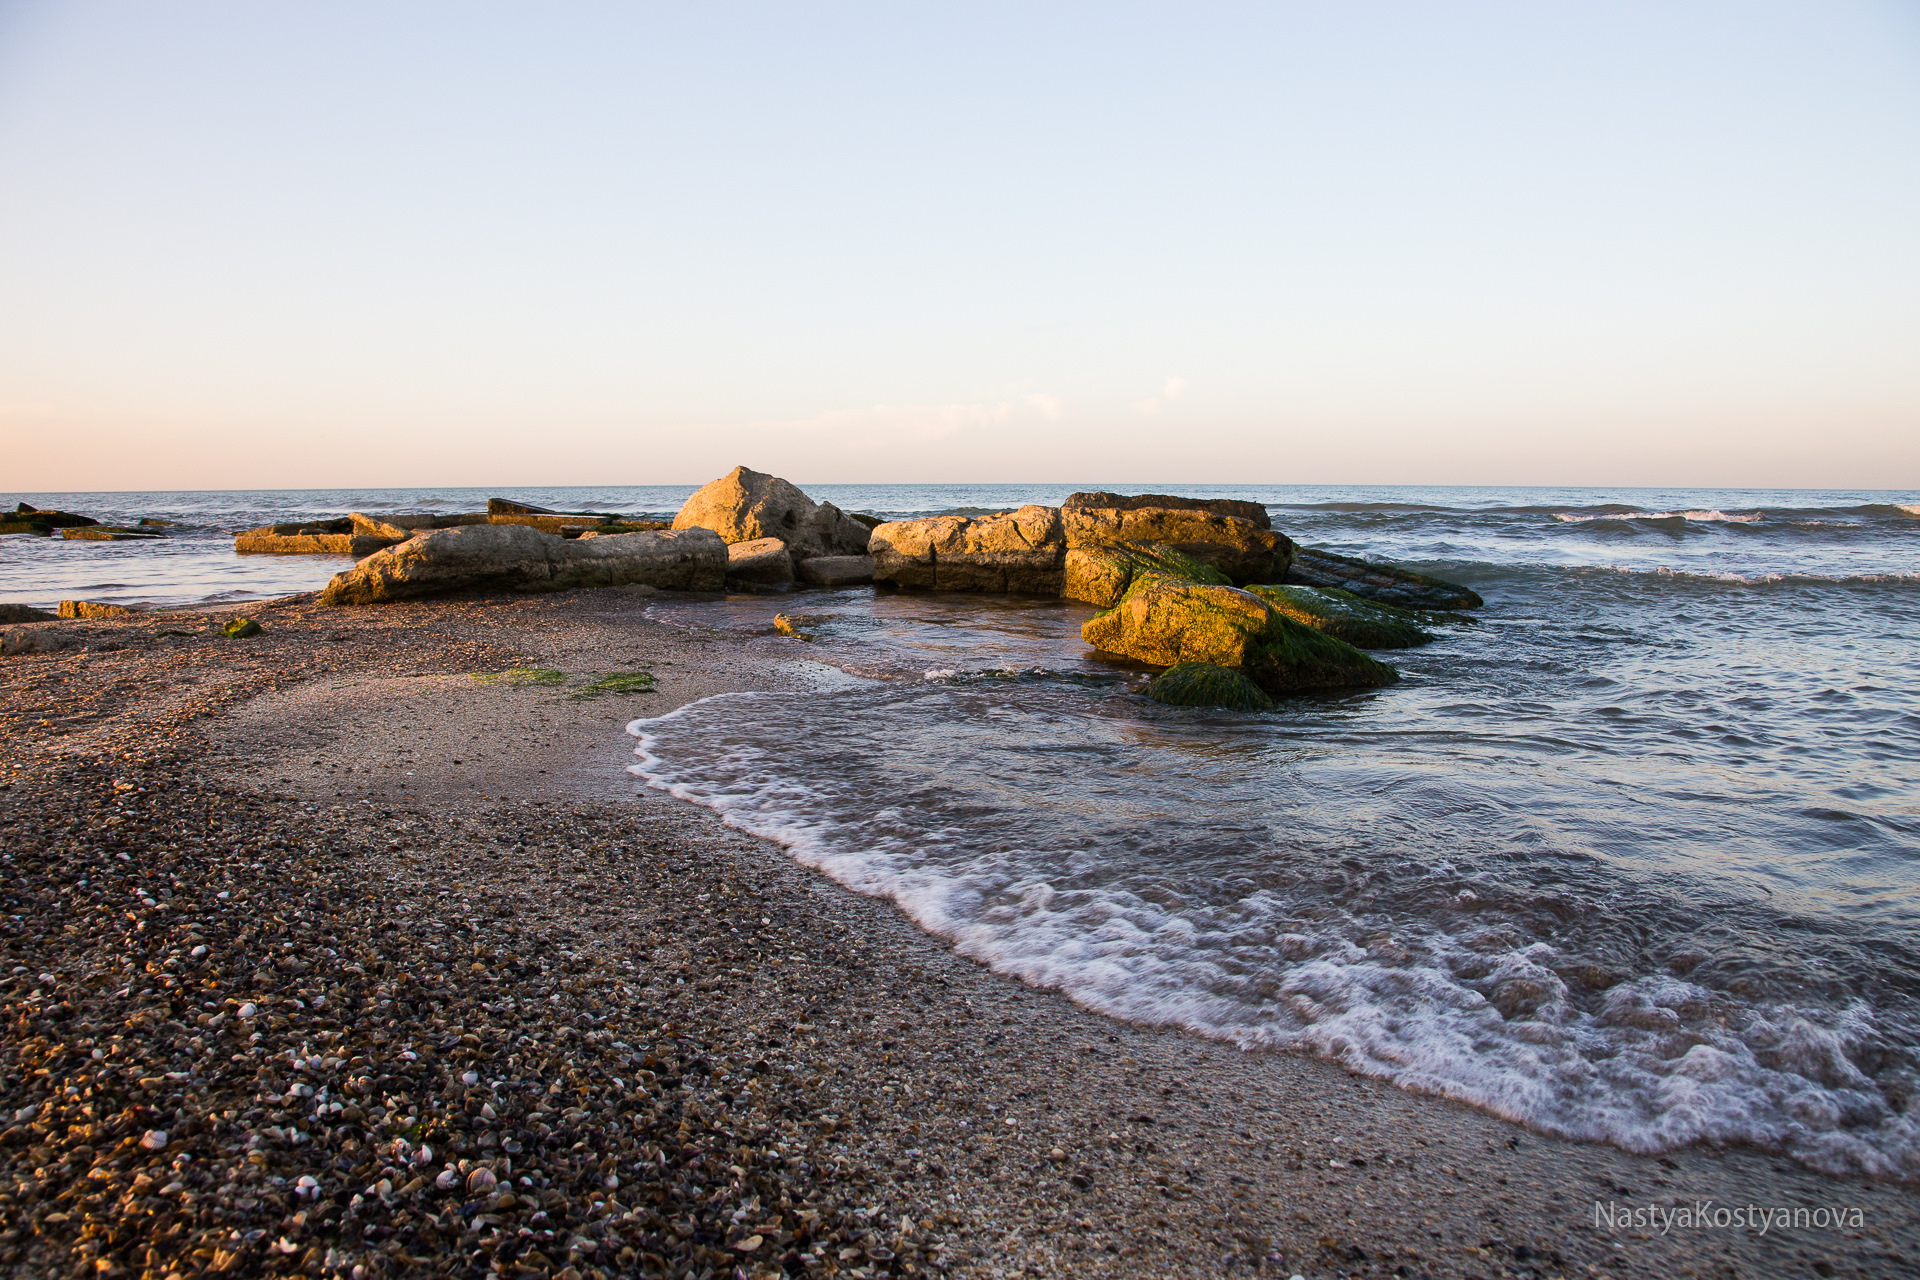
(1101, 500)
(743, 506)
(517, 558)
(1081, 552)
(1383, 582)
(1016, 551)
(1364, 624)
(1167, 621)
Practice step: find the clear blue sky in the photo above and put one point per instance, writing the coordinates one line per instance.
(248, 244)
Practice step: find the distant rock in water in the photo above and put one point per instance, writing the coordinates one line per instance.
(1383, 582)
(1103, 501)
(745, 506)
(1201, 684)
(512, 557)
(508, 507)
(1364, 624)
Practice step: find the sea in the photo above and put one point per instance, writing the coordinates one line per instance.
(1631, 854)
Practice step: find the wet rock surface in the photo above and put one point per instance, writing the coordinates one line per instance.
(1388, 584)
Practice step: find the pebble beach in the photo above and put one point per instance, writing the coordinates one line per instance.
(352, 949)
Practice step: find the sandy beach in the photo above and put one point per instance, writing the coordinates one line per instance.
(284, 913)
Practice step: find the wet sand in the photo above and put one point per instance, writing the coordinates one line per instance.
(706, 1058)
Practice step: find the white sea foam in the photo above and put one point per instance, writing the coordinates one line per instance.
(1700, 517)
(1662, 1063)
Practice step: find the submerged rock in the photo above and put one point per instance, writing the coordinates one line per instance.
(517, 558)
(110, 533)
(743, 506)
(836, 571)
(1168, 621)
(1365, 624)
(1383, 582)
(1202, 684)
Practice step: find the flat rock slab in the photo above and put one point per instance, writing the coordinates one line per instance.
(513, 557)
(257, 542)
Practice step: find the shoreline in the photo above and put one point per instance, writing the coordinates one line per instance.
(878, 1070)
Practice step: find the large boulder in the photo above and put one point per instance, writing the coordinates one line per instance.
(1101, 500)
(1364, 624)
(1166, 621)
(743, 506)
(1017, 551)
(492, 557)
(1389, 584)
(24, 613)
(1237, 547)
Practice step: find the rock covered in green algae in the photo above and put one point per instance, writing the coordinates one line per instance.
(1389, 584)
(1101, 574)
(1202, 684)
(240, 628)
(1364, 624)
(1167, 621)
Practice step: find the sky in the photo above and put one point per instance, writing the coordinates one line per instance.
(399, 244)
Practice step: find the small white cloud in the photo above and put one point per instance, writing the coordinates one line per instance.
(1052, 408)
(1170, 391)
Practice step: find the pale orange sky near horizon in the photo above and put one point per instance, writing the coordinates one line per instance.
(388, 246)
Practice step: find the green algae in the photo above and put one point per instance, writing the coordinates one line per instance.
(1203, 684)
(1365, 624)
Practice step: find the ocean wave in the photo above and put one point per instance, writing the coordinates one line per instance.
(1700, 517)
(1761, 578)
(1448, 1000)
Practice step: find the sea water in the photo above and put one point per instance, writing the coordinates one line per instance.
(1632, 855)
